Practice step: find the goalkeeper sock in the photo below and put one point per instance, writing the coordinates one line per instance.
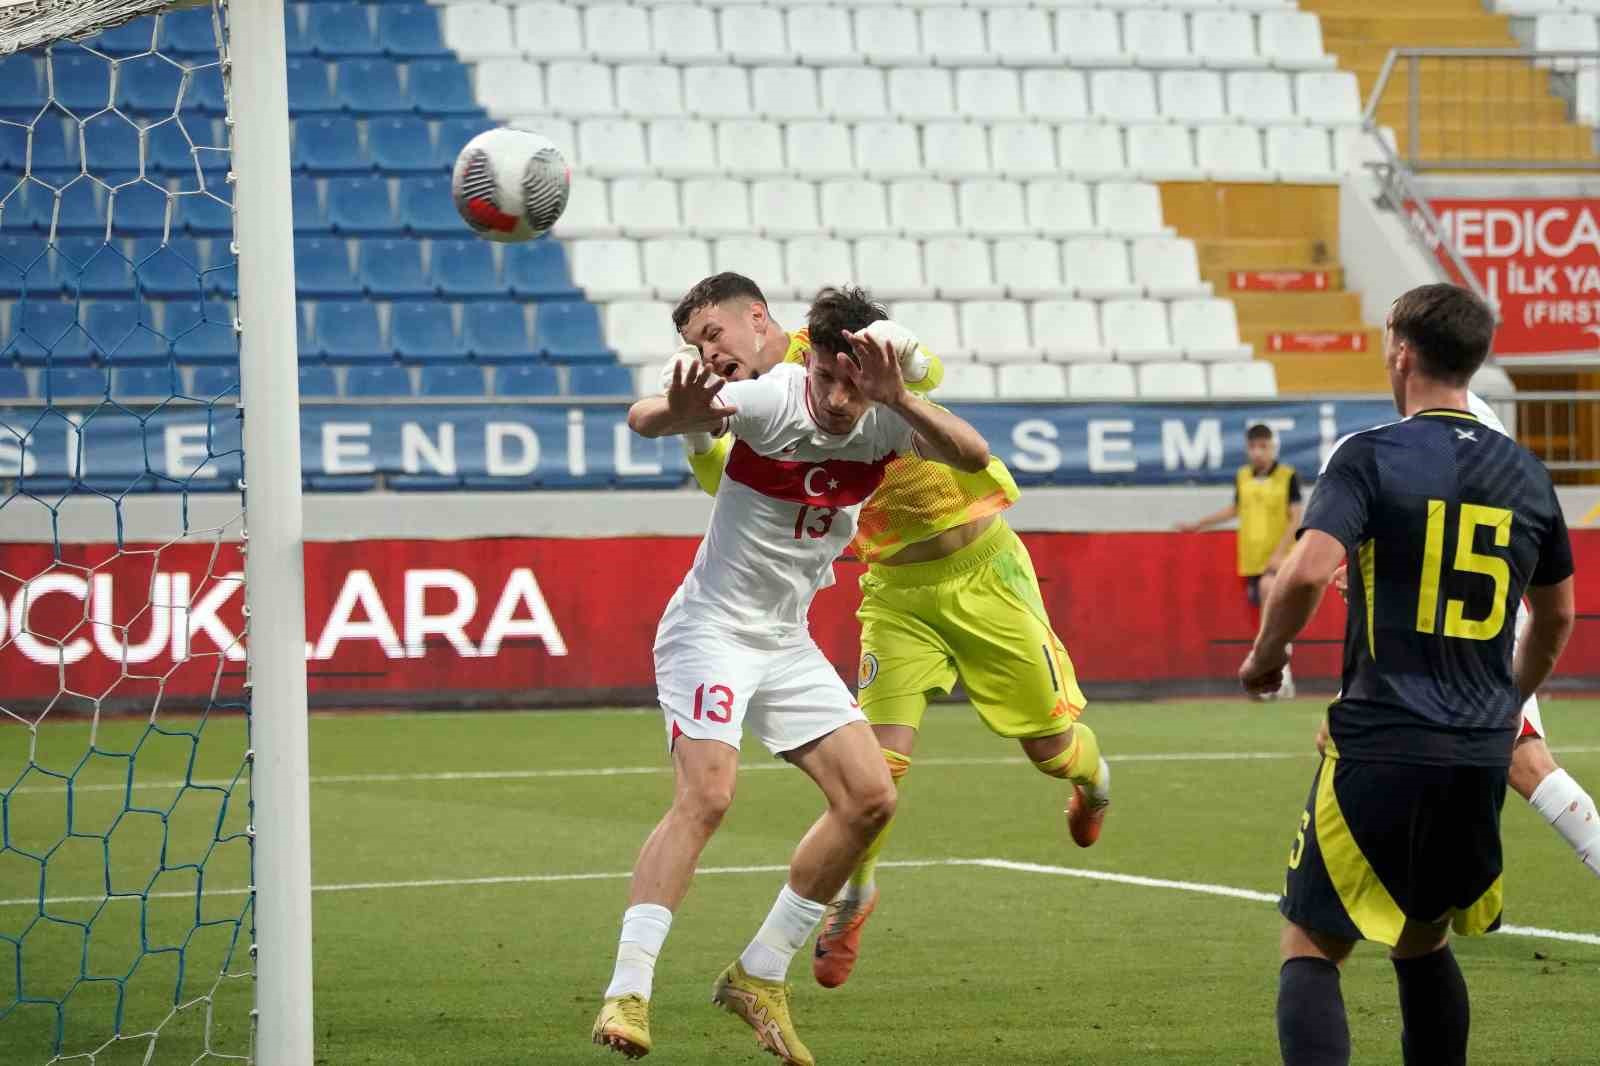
(1570, 810)
(644, 930)
(863, 882)
(1312, 1027)
(1435, 1014)
(788, 924)
(1080, 763)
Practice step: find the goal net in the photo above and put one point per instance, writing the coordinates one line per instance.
(135, 730)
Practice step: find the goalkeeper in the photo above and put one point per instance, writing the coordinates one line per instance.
(949, 593)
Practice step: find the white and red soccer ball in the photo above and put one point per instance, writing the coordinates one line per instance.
(510, 184)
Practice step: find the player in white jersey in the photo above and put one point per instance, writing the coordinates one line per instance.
(733, 649)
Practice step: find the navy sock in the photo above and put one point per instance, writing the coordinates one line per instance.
(1434, 1010)
(1312, 1028)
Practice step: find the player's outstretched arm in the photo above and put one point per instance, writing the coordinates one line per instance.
(707, 454)
(941, 435)
(690, 405)
(1295, 596)
(1215, 518)
(1553, 617)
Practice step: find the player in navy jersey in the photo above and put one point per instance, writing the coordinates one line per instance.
(1446, 526)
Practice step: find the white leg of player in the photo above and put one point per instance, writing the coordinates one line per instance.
(274, 565)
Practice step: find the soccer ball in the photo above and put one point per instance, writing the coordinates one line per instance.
(510, 185)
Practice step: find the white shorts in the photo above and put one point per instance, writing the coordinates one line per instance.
(1532, 724)
(711, 686)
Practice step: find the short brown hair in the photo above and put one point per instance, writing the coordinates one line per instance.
(833, 311)
(1449, 328)
(1259, 431)
(718, 288)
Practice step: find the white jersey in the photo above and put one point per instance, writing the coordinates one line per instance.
(785, 511)
(1485, 414)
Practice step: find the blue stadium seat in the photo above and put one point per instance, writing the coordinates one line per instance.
(55, 145)
(296, 42)
(94, 267)
(454, 133)
(48, 331)
(538, 269)
(110, 142)
(569, 332)
(464, 268)
(23, 258)
(459, 379)
(27, 208)
(302, 333)
(527, 380)
(122, 332)
(206, 96)
(372, 87)
(410, 31)
(337, 30)
(308, 86)
(63, 382)
(189, 32)
(392, 269)
(24, 82)
(610, 380)
(317, 382)
(422, 331)
(82, 80)
(202, 214)
(360, 206)
(213, 382)
(137, 209)
(170, 148)
(322, 268)
(168, 271)
(427, 208)
(329, 145)
(441, 87)
(221, 278)
(495, 331)
(130, 38)
(377, 382)
(309, 214)
(148, 85)
(13, 384)
(403, 144)
(143, 381)
(201, 332)
(349, 333)
(83, 207)
(341, 482)
(13, 143)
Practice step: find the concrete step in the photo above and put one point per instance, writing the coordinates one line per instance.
(1210, 210)
(1404, 28)
(1307, 372)
(1299, 310)
(1475, 109)
(1265, 254)
(1532, 141)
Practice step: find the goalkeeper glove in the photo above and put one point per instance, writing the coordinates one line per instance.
(914, 358)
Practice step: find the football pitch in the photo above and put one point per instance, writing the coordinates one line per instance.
(471, 873)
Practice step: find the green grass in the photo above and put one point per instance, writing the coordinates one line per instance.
(961, 965)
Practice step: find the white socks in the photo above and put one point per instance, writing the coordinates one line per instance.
(644, 930)
(1571, 812)
(783, 933)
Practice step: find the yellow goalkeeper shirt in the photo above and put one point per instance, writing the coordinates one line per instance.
(918, 499)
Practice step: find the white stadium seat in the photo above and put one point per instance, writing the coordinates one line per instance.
(818, 150)
(1059, 207)
(1260, 96)
(1031, 381)
(607, 269)
(854, 93)
(811, 263)
(1231, 153)
(924, 208)
(934, 323)
(588, 212)
(717, 207)
(1208, 330)
(1224, 39)
(755, 35)
(681, 147)
(891, 268)
(785, 208)
(1254, 378)
(1565, 32)
(1137, 330)
(549, 31)
(579, 89)
(953, 36)
(756, 258)
(1091, 150)
(996, 331)
(1162, 153)
(854, 208)
(1168, 268)
(510, 87)
(1029, 268)
(785, 93)
(789, 315)
(612, 146)
(649, 92)
(954, 149)
(685, 33)
(1156, 37)
(1354, 147)
(1101, 381)
(959, 269)
(716, 92)
(1331, 97)
(1300, 153)
(1125, 95)
(1293, 40)
(967, 381)
(988, 94)
(1172, 381)
(1068, 330)
(750, 149)
(991, 208)
(821, 34)
(647, 380)
(618, 33)
(478, 31)
(645, 207)
(1191, 95)
(917, 93)
(672, 265)
(887, 149)
(641, 332)
(1055, 95)
(1090, 37)
(1022, 149)
(1097, 268)
(888, 36)
(1020, 36)
(1128, 207)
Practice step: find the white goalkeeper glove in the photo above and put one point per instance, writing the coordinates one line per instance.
(686, 356)
(914, 358)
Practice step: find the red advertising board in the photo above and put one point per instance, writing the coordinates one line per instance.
(1278, 280)
(1540, 259)
(1315, 341)
(509, 621)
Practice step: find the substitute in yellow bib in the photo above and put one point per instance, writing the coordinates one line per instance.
(949, 594)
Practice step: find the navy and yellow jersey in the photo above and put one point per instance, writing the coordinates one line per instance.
(1263, 503)
(1447, 523)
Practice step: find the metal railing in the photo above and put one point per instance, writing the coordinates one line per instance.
(1561, 428)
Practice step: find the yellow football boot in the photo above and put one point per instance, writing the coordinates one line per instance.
(624, 1025)
(764, 1006)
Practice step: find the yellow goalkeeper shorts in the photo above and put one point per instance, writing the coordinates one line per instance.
(976, 616)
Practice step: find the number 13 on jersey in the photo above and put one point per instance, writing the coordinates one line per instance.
(1472, 517)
